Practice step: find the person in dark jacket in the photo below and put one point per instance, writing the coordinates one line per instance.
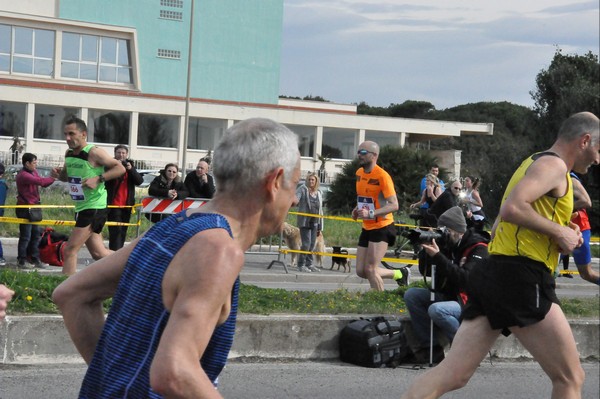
(167, 184)
(445, 201)
(199, 183)
(121, 192)
(462, 248)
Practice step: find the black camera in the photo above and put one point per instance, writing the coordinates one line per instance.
(417, 236)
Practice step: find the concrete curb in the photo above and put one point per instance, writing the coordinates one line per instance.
(44, 339)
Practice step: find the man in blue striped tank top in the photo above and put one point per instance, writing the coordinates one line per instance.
(171, 324)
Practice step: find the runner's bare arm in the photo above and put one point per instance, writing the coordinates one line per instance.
(547, 175)
(80, 299)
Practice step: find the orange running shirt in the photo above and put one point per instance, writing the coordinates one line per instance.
(372, 189)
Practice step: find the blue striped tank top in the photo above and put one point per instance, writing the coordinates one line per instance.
(120, 367)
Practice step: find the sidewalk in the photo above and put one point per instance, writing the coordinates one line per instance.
(308, 337)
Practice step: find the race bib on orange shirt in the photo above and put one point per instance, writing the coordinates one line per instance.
(366, 203)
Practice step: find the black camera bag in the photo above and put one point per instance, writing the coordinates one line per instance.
(376, 342)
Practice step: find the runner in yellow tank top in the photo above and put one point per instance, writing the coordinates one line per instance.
(514, 290)
(376, 201)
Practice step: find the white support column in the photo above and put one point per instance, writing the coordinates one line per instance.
(318, 149)
(402, 139)
(360, 137)
(133, 133)
(29, 123)
(180, 149)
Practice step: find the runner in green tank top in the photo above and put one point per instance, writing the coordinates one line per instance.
(86, 169)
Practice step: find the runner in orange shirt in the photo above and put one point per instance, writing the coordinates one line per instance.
(376, 201)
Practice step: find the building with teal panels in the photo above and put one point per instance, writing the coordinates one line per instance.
(122, 67)
(231, 59)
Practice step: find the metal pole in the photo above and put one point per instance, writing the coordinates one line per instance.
(187, 95)
(431, 320)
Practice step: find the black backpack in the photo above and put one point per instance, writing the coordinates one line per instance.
(375, 342)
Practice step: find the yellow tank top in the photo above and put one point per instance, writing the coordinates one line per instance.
(514, 240)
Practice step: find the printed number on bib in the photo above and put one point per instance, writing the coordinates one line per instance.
(76, 189)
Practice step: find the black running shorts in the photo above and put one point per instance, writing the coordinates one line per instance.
(510, 291)
(95, 218)
(386, 233)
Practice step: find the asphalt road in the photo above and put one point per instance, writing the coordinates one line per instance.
(312, 380)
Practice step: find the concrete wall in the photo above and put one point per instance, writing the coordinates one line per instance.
(43, 339)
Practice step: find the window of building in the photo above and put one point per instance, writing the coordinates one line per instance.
(48, 121)
(204, 133)
(172, 3)
(172, 54)
(174, 15)
(306, 139)
(106, 126)
(12, 119)
(5, 44)
(383, 138)
(26, 50)
(158, 130)
(96, 58)
(338, 143)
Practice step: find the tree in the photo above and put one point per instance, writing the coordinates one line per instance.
(570, 84)
(492, 158)
(408, 109)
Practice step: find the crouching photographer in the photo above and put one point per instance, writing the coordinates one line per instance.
(454, 250)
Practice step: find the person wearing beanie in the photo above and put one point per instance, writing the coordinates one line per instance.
(454, 255)
(453, 219)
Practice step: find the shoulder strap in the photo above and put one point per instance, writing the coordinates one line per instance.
(541, 154)
(468, 251)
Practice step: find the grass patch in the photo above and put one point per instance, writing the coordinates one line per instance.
(33, 295)
(266, 301)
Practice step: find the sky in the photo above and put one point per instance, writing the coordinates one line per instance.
(446, 52)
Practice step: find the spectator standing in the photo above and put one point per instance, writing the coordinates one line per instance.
(199, 183)
(454, 258)
(28, 183)
(474, 204)
(167, 184)
(86, 169)
(514, 291)
(173, 316)
(435, 171)
(3, 192)
(121, 193)
(310, 200)
(582, 254)
(16, 149)
(376, 202)
(430, 193)
(6, 295)
(445, 201)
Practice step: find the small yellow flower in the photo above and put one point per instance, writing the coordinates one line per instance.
(29, 298)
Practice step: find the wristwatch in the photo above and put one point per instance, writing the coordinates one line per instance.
(101, 179)
(371, 214)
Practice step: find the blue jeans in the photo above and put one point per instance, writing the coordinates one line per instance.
(29, 241)
(308, 235)
(445, 314)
